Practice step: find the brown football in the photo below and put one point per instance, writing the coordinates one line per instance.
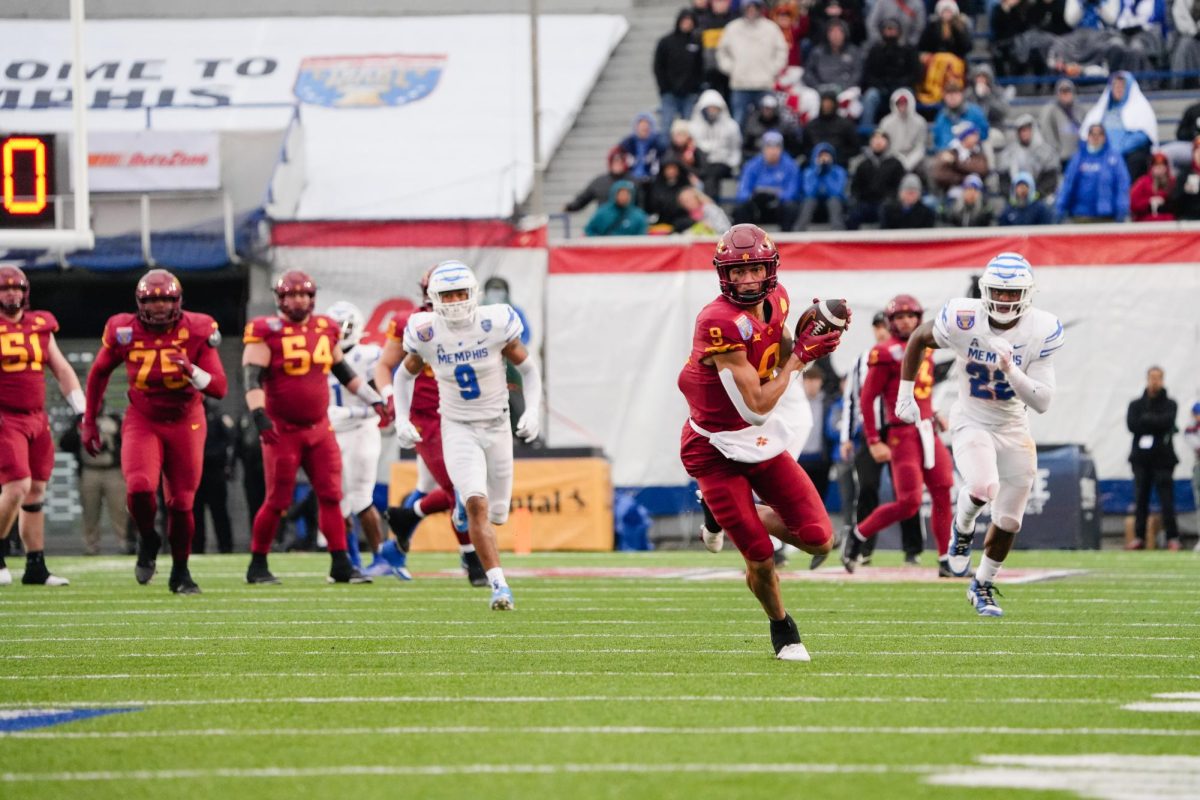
(824, 316)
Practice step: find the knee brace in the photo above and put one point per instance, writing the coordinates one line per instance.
(983, 491)
(498, 512)
(32, 508)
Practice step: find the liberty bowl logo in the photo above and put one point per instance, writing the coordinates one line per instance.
(367, 81)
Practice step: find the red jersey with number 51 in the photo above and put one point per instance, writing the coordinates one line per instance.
(156, 386)
(24, 348)
(722, 327)
(296, 379)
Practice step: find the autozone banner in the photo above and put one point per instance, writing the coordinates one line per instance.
(153, 161)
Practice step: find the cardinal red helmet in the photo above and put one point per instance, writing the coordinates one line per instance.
(13, 278)
(158, 284)
(425, 304)
(746, 245)
(902, 303)
(291, 286)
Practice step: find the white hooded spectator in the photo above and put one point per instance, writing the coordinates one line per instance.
(906, 129)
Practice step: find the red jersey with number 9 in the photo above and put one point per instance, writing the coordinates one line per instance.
(296, 380)
(156, 386)
(722, 327)
(425, 392)
(24, 348)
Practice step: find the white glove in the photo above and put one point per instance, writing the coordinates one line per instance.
(906, 404)
(529, 425)
(406, 434)
(1004, 350)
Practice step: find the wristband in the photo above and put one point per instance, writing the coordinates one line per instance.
(199, 378)
(76, 401)
(386, 392)
(367, 394)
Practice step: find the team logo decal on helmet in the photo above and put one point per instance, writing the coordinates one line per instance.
(1007, 272)
(454, 277)
(157, 285)
(902, 304)
(295, 295)
(13, 278)
(742, 246)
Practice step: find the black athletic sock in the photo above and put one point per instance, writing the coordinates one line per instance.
(35, 558)
(258, 560)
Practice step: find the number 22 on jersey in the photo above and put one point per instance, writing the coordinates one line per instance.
(297, 360)
(988, 384)
(15, 356)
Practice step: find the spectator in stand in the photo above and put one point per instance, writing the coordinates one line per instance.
(891, 64)
(1185, 54)
(965, 155)
(876, 175)
(794, 22)
(679, 69)
(906, 130)
(1007, 23)
(662, 196)
(597, 189)
(1180, 150)
(1024, 206)
(984, 93)
(835, 61)
(1095, 187)
(831, 127)
(1028, 153)
(769, 187)
(1129, 121)
(707, 218)
(907, 210)
(718, 137)
(752, 53)
(769, 117)
(620, 216)
(712, 22)
(643, 149)
(970, 208)
(849, 11)
(956, 109)
(1152, 197)
(947, 32)
(1059, 121)
(1151, 420)
(1187, 187)
(823, 185)
(1137, 43)
(682, 148)
(909, 16)
(1091, 23)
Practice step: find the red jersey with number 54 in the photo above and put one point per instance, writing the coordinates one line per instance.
(24, 348)
(296, 381)
(722, 327)
(157, 387)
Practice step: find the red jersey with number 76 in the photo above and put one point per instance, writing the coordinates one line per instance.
(296, 379)
(722, 327)
(24, 348)
(157, 387)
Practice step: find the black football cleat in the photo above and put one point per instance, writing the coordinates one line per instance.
(851, 549)
(256, 574)
(785, 639)
(343, 571)
(403, 521)
(147, 555)
(182, 583)
(471, 565)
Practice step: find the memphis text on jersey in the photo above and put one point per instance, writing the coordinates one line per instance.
(462, 356)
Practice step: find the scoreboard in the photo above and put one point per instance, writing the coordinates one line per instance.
(30, 187)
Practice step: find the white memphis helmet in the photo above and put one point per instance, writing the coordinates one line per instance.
(450, 276)
(1007, 272)
(349, 320)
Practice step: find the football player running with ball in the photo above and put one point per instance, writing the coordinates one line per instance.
(466, 344)
(171, 359)
(736, 383)
(1005, 350)
(26, 447)
(287, 359)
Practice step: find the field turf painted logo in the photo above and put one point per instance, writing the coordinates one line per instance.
(367, 81)
(12, 720)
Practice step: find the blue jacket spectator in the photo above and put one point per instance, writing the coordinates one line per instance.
(1024, 206)
(643, 148)
(762, 175)
(1096, 185)
(822, 180)
(620, 216)
(956, 109)
(1130, 124)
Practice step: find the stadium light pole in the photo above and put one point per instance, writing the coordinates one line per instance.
(535, 192)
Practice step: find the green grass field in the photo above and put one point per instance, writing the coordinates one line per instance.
(657, 686)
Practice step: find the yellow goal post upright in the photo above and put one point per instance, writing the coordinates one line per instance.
(80, 236)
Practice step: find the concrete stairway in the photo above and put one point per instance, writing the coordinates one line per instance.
(626, 87)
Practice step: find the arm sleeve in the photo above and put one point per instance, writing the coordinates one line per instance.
(872, 388)
(210, 362)
(402, 385)
(531, 385)
(1035, 387)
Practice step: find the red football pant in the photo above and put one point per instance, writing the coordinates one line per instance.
(909, 477)
(26, 446)
(430, 451)
(728, 487)
(144, 443)
(314, 448)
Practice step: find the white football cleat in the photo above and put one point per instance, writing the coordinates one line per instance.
(5, 576)
(794, 652)
(713, 542)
